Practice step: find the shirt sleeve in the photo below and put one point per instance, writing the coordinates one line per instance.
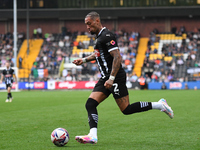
(3, 72)
(111, 42)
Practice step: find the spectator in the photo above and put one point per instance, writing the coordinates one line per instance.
(41, 65)
(180, 61)
(20, 62)
(64, 73)
(193, 56)
(168, 65)
(61, 44)
(148, 79)
(182, 29)
(173, 66)
(74, 73)
(163, 87)
(133, 77)
(39, 32)
(170, 77)
(142, 82)
(154, 77)
(69, 77)
(34, 33)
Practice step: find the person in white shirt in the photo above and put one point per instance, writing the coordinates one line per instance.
(39, 32)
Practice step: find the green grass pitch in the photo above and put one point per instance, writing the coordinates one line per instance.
(27, 122)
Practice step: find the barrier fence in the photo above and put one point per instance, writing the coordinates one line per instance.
(53, 85)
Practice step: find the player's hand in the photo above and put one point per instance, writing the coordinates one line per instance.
(78, 62)
(108, 84)
(0, 81)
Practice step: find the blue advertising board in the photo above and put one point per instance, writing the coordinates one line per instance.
(174, 85)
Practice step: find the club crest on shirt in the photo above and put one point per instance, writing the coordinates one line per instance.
(112, 42)
(97, 53)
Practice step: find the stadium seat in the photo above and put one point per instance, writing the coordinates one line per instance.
(85, 40)
(167, 58)
(140, 56)
(28, 59)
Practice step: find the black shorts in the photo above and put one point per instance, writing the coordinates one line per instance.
(8, 85)
(118, 89)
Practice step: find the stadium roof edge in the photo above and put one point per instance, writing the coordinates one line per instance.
(79, 13)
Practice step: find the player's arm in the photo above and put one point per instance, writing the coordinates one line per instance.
(113, 49)
(80, 61)
(15, 78)
(1, 78)
(115, 67)
(116, 62)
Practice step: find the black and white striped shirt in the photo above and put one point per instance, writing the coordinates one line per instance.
(8, 75)
(105, 43)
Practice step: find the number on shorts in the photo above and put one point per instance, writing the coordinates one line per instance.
(116, 90)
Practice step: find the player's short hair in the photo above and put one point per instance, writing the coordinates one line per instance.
(93, 15)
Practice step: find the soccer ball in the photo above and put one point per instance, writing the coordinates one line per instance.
(60, 136)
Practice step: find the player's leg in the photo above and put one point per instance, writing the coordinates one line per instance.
(98, 95)
(120, 93)
(136, 107)
(9, 93)
(93, 101)
(128, 108)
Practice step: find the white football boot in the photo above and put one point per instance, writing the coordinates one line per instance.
(166, 108)
(11, 99)
(86, 139)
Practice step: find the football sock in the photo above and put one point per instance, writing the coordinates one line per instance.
(93, 132)
(10, 95)
(91, 106)
(157, 105)
(137, 107)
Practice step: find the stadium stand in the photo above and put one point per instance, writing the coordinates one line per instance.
(57, 47)
(29, 58)
(171, 57)
(140, 56)
(6, 48)
(160, 58)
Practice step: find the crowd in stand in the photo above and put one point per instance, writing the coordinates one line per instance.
(184, 55)
(6, 49)
(59, 46)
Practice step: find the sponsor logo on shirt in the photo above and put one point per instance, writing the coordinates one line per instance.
(8, 75)
(97, 53)
(112, 42)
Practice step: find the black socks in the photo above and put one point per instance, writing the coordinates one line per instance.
(9, 95)
(91, 105)
(137, 107)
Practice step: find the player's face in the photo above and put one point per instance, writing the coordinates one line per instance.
(92, 25)
(7, 65)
